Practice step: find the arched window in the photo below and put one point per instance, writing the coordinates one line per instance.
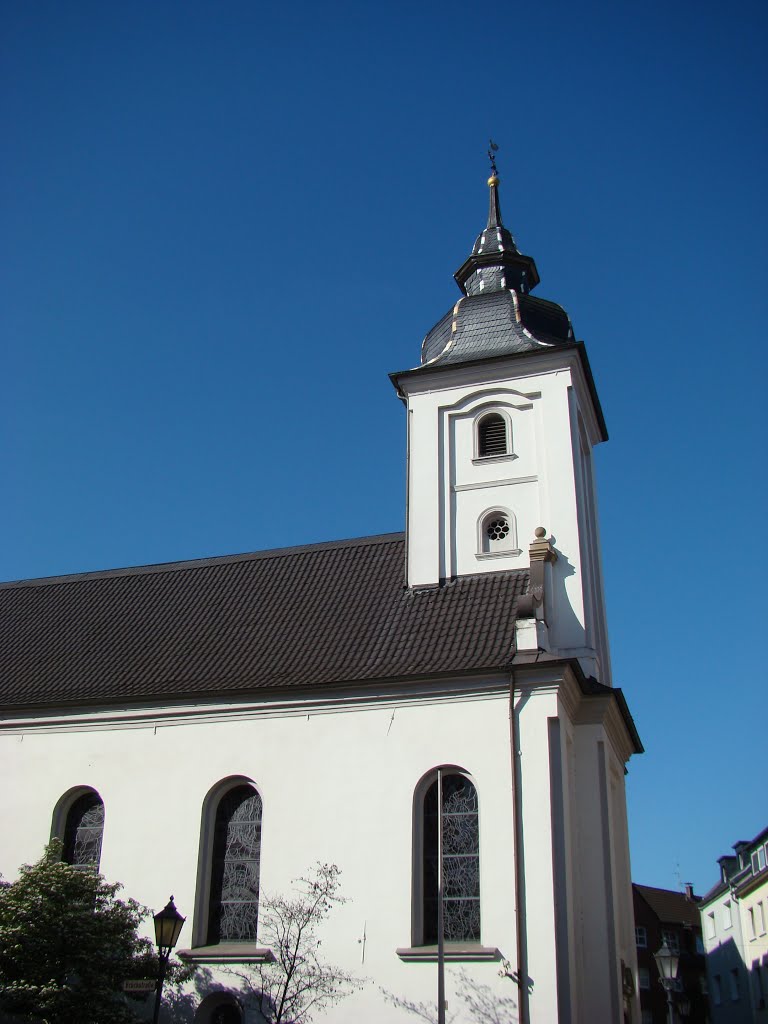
(234, 888)
(497, 533)
(455, 819)
(492, 436)
(219, 1008)
(83, 831)
(227, 1013)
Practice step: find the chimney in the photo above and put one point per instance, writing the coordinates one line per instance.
(688, 890)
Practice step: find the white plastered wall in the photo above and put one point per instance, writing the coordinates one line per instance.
(541, 482)
(337, 779)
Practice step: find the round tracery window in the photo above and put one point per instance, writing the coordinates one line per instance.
(498, 528)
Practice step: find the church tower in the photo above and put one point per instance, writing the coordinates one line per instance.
(502, 419)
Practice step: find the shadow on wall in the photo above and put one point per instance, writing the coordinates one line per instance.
(568, 631)
(478, 1004)
(207, 1003)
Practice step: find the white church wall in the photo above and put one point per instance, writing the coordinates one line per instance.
(337, 779)
(337, 785)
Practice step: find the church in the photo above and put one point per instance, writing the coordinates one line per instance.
(431, 711)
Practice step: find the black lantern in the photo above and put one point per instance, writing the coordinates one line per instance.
(168, 924)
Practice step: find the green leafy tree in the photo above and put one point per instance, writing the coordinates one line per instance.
(67, 944)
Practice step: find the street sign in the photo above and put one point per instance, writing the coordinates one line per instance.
(140, 985)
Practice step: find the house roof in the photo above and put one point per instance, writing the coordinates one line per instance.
(671, 907)
(299, 617)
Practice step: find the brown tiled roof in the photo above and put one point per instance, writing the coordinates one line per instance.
(671, 907)
(302, 617)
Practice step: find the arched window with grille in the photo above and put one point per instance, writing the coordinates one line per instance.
(233, 906)
(83, 828)
(493, 436)
(450, 858)
(497, 533)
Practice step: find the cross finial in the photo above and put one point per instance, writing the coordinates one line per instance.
(492, 151)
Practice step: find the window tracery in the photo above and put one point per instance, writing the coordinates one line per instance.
(84, 831)
(234, 893)
(459, 822)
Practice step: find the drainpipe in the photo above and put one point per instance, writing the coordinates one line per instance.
(521, 972)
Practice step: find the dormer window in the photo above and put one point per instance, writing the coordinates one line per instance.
(492, 436)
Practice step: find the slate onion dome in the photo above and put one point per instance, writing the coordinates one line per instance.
(496, 314)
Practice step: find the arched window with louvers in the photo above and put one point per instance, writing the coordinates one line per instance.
(493, 436)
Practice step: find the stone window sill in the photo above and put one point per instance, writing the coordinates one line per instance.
(227, 953)
(452, 952)
(502, 553)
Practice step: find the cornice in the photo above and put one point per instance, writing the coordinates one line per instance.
(306, 703)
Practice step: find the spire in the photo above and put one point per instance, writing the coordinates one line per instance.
(496, 263)
(494, 210)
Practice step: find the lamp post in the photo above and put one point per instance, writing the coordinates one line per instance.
(168, 925)
(666, 962)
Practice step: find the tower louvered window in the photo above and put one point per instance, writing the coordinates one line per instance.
(492, 436)
(83, 832)
(234, 906)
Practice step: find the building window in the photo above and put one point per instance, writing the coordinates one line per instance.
(492, 436)
(641, 937)
(83, 831)
(761, 918)
(751, 922)
(643, 978)
(672, 939)
(234, 886)
(758, 859)
(497, 533)
(457, 820)
(717, 990)
(226, 1014)
(757, 985)
(711, 925)
(733, 980)
(700, 945)
(727, 917)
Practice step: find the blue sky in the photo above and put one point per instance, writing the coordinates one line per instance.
(223, 225)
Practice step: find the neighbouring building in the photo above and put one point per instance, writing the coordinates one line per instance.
(264, 711)
(662, 915)
(734, 915)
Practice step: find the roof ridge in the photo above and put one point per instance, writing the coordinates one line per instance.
(155, 568)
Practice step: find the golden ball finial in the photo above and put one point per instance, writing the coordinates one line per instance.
(493, 180)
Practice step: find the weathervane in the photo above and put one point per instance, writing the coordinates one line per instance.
(492, 151)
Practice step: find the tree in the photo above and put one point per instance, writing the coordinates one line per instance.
(297, 982)
(67, 944)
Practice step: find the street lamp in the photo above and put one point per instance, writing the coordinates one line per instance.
(168, 925)
(666, 962)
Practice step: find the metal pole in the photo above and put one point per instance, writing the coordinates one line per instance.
(159, 989)
(670, 1012)
(440, 923)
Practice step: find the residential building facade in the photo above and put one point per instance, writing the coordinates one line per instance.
(665, 916)
(734, 915)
